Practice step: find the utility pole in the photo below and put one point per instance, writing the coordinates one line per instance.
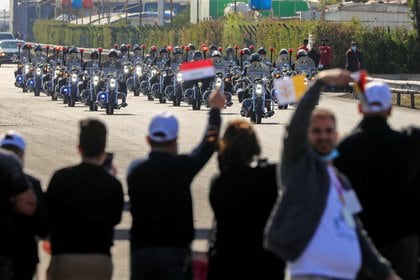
(417, 8)
(198, 12)
(141, 11)
(126, 11)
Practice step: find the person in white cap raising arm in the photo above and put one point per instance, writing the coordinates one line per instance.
(376, 160)
(160, 196)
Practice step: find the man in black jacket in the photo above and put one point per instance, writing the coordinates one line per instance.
(84, 203)
(161, 202)
(376, 159)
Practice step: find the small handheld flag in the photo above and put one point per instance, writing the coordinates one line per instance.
(290, 90)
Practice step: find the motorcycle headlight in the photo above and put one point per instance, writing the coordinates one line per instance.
(139, 71)
(164, 73)
(112, 83)
(126, 69)
(277, 76)
(154, 72)
(218, 82)
(38, 71)
(95, 81)
(200, 84)
(56, 73)
(259, 90)
(179, 77)
(27, 69)
(226, 80)
(74, 78)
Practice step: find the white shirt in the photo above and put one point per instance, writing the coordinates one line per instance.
(334, 249)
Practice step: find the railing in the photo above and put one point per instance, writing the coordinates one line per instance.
(402, 87)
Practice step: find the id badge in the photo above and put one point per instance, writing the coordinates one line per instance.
(352, 202)
(348, 217)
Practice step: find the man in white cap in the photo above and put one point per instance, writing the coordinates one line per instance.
(374, 157)
(25, 245)
(160, 196)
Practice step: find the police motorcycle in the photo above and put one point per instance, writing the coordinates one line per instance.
(259, 104)
(164, 76)
(34, 82)
(194, 94)
(70, 91)
(175, 91)
(25, 68)
(283, 70)
(305, 65)
(109, 98)
(151, 74)
(92, 80)
(219, 81)
(137, 74)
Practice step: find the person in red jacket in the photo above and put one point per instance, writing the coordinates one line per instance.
(304, 46)
(326, 55)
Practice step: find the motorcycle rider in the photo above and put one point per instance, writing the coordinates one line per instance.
(263, 54)
(163, 60)
(257, 69)
(151, 58)
(191, 50)
(137, 56)
(197, 55)
(123, 54)
(230, 56)
(39, 57)
(113, 65)
(73, 59)
(177, 58)
(212, 48)
(93, 64)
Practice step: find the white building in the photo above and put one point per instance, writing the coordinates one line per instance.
(371, 14)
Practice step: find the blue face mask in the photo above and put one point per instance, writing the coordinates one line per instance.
(331, 156)
(353, 48)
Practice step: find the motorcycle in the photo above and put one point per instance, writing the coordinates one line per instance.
(21, 79)
(34, 83)
(218, 83)
(133, 82)
(260, 104)
(195, 95)
(70, 92)
(158, 88)
(109, 98)
(175, 90)
(90, 94)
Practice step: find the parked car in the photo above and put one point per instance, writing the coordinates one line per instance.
(9, 49)
(6, 36)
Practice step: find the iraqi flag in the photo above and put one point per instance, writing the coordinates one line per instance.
(198, 71)
(289, 90)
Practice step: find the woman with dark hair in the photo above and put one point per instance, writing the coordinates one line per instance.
(242, 197)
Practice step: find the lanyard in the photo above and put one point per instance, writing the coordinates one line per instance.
(337, 186)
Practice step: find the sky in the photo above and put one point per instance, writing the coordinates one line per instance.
(4, 4)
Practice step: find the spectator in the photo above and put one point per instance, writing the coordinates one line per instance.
(160, 194)
(314, 54)
(354, 58)
(375, 157)
(304, 46)
(85, 202)
(15, 195)
(242, 197)
(25, 245)
(326, 55)
(314, 225)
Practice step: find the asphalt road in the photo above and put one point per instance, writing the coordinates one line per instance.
(51, 131)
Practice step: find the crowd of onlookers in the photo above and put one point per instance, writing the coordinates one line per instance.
(303, 218)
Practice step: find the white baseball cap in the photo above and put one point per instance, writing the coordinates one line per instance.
(12, 138)
(378, 97)
(163, 127)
